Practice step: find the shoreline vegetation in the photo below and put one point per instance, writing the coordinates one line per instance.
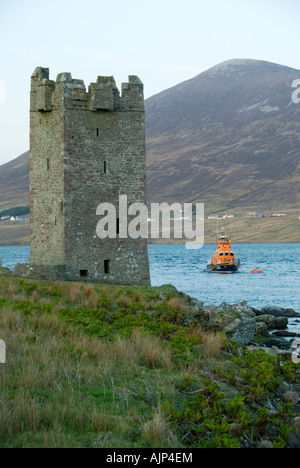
(141, 367)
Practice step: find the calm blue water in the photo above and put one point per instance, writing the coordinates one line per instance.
(279, 284)
(13, 255)
(186, 270)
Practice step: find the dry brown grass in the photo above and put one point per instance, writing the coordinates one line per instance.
(53, 287)
(212, 343)
(90, 296)
(35, 297)
(47, 364)
(11, 292)
(125, 351)
(101, 421)
(151, 350)
(83, 293)
(178, 305)
(139, 296)
(38, 360)
(157, 431)
(135, 297)
(74, 292)
(125, 301)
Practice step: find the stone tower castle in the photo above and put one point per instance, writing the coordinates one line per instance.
(86, 148)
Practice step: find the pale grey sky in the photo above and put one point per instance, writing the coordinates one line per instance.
(164, 42)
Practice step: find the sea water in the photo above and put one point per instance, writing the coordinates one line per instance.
(279, 284)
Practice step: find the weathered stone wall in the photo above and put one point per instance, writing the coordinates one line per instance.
(87, 148)
(46, 171)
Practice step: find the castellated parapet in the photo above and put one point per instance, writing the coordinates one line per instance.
(86, 148)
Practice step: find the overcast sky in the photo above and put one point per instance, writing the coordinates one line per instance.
(164, 42)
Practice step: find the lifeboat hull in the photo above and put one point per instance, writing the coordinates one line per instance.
(223, 268)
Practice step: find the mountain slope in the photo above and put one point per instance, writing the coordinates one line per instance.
(230, 137)
(14, 182)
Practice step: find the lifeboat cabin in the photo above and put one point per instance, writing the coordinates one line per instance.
(223, 260)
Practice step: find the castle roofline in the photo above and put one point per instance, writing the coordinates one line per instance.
(64, 77)
(101, 95)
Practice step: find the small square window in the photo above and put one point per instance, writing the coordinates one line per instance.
(107, 267)
(84, 273)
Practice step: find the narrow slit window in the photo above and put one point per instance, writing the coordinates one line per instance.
(48, 164)
(118, 226)
(97, 132)
(106, 267)
(105, 167)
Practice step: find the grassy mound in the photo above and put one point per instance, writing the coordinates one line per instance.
(129, 367)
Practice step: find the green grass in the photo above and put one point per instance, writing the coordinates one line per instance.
(122, 367)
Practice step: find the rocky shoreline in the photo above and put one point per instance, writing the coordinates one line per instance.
(266, 328)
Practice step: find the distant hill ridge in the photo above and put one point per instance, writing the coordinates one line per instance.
(230, 137)
(14, 182)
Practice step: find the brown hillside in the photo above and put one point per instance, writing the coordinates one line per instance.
(229, 137)
(14, 182)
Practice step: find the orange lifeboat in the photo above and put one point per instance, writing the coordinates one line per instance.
(223, 260)
(256, 271)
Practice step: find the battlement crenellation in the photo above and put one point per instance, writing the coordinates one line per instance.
(103, 95)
